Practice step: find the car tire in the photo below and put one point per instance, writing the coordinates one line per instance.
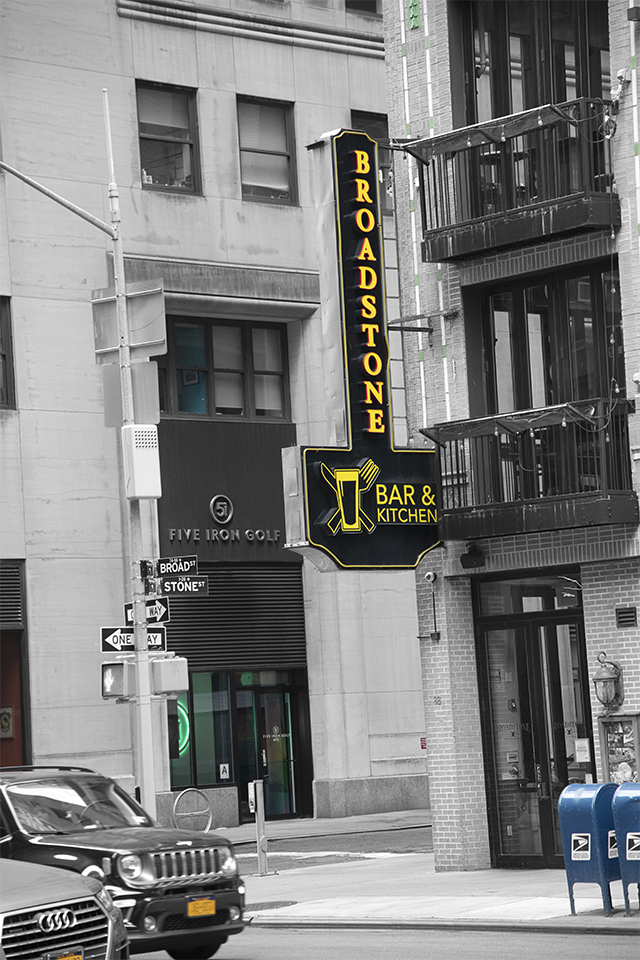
(195, 953)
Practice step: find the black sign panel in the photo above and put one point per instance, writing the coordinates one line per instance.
(185, 586)
(369, 505)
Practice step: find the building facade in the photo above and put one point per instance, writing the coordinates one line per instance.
(517, 205)
(308, 680)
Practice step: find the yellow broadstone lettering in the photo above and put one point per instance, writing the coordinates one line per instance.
(362, 161)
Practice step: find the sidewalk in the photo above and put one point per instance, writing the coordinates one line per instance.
(403, 890)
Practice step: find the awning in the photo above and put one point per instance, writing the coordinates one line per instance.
(492, 131)
(517, 422)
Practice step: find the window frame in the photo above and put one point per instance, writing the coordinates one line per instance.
(289, 125)
(366, 121)
(559, 353)
(6, 354)
(168, 370)
(192, 140)
(490, 67)
(354, 6)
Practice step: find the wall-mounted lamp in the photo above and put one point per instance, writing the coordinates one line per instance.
(472, 558)
(608, 683)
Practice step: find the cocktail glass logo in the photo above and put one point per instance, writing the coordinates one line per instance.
(349, 484)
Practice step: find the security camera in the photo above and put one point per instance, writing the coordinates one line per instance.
(430, 577)
(636, 378)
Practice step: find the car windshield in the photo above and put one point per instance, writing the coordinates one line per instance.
(69, 805)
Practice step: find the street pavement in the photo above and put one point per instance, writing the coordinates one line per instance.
(403, 890)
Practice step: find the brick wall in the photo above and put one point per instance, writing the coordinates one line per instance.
(608, 558)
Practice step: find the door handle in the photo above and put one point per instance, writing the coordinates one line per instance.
(264, 758)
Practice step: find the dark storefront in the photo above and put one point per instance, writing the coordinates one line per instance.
(246, 715)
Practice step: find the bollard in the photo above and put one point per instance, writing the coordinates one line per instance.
(256, 805)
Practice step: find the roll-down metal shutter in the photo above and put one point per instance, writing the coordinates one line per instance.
(253, 618)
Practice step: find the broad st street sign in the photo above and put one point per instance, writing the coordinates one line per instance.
(364, 504)
(176, 566)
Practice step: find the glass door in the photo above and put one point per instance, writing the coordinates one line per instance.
(277, 754)
(539, 731)
(265, 749)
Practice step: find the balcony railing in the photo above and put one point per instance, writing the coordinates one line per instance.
(534, 470)
(517, 179)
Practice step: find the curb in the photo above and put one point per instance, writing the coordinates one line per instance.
(433, 924)
(332, 833)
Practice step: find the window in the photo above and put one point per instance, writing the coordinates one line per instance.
(378, 129)
(201, 745)
(267, 167)
(218, 369)
(553, 340)
(168, 142)
(363, 6)
(7, 390)
(522, 55)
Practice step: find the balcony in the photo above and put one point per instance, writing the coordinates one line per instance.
(516, 180)
(534, 470)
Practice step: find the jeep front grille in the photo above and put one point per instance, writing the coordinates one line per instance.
(23, 938)
(199, 864)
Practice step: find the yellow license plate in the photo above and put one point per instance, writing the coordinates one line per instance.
(70, 955)
(204, 907)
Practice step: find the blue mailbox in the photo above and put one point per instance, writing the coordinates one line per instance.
(626, 817)
(589, 837)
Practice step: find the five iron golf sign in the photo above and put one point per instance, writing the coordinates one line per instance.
(365, 504)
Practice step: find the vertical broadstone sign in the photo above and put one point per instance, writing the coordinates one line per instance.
(359, 503)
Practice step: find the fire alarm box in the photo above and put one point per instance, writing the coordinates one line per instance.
(141, 461)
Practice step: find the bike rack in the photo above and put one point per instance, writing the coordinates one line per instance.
(208, 812)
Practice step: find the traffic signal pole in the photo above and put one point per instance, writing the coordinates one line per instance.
(143, 706)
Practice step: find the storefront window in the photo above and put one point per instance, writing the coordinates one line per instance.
(534, 594)
(212, 728)
(200, 733)
(263, 678)
(180, 741)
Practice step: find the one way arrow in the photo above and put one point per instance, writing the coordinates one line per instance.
(157, 610)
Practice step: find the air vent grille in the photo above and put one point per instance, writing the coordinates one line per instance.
(626, 616)
(11, 612)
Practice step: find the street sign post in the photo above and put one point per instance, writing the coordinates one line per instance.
(122, 639)
(158, 610)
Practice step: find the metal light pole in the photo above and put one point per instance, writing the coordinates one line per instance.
(145, 764)
(143, 711)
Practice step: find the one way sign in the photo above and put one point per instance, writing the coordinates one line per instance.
(120, 639)
(157, 610)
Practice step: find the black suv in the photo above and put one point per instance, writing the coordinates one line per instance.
(178, 890)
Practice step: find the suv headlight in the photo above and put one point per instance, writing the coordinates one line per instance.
(228, 864)
(130, 866)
